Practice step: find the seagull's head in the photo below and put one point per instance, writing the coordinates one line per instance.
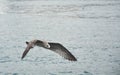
(27, 42)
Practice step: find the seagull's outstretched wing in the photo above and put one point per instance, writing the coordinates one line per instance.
(62, 51)
(25, 52)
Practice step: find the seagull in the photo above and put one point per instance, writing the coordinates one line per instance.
(55, 47)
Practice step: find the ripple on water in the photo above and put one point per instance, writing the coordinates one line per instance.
(5, 59)
(15, 74)
(52, 74)
(86, 73)
(65, 72)
(11, 74)
(116, 47)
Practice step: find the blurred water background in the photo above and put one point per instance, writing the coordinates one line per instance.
(90, 29)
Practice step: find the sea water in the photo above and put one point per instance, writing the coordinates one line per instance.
(89, 29)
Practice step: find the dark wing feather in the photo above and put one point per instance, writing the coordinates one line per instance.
(25, 52)
(39, 43)
(62, 51)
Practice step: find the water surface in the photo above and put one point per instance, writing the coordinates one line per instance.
(89, 29)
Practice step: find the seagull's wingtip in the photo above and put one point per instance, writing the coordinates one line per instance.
(73, 60)
(22, 57)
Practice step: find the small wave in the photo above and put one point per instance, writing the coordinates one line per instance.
(116, 47)
(2, 73)
(103, 4)
(86, 73)
(5, 59)
(52, 74)
(66, 72)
